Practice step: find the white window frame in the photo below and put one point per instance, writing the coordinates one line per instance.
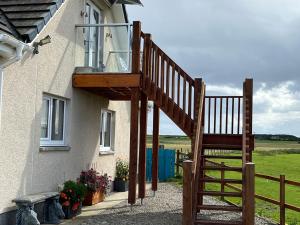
(47, 141)
(112, 131)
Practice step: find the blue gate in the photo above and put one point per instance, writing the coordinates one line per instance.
(166, 164)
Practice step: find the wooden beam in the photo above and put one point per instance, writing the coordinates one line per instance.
(106, 81)
(142, 152)
(155, 146)
(133, 146)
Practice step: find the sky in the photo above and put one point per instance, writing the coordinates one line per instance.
(225, 42)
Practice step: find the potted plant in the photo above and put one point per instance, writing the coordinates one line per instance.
(121, 179)
(96, 184)
(71, 198)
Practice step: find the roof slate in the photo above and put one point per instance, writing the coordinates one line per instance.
(24, 19)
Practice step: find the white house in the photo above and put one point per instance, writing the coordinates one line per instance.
(50, 131)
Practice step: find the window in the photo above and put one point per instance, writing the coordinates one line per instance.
(106, 130)
(93, 37)
(53, 116)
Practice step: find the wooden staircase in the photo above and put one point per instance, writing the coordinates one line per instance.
(214, 123)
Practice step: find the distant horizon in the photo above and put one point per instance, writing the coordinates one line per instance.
(182, 135)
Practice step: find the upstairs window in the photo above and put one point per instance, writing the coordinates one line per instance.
(106, 130)
(53, 117)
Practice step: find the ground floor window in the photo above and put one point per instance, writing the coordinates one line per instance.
(107, 130)
(53, 121)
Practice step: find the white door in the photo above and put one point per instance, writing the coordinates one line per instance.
(93, 48)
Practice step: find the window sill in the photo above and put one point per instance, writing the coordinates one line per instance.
(54, 148)
(106, 152)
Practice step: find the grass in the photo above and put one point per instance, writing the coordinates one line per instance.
(271, 158)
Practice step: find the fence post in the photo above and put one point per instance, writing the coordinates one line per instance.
(222, 179)
(282, 199)
(187, 198)
(177, 162)
(249, 194)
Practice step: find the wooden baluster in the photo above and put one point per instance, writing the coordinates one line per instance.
(208, 115)
(162, 74)
(232, 116)
(153, 63)
(190, 101)
(221, 111)
(173, 81)
(215, 114)
(178, 88)
(156, 67)
(239, 115)
(226, 124)
(184, 93)
(168, 79)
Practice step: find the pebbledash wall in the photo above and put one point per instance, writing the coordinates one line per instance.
(24, 168)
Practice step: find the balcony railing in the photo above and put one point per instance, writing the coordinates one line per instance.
(103, 48)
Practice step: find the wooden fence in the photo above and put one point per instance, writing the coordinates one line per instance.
(282, 181)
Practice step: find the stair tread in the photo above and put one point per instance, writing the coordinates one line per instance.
(220, 207)
(219, 222)
(222, 157)
(218, 193)
(227, 168)
(217, 180)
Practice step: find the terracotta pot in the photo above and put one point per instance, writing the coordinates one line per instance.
(93, 198)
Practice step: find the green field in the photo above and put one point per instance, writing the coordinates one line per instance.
(271, 158)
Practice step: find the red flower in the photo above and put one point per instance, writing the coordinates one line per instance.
(75, 206)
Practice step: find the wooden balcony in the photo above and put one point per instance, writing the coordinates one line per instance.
(114, 86)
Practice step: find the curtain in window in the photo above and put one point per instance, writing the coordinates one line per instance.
(44, 118)
(107, 130)
(57, 120)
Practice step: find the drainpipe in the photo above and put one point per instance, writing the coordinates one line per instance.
(12, 50)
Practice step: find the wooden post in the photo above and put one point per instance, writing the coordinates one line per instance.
(247, 114)
(282, 199)
(133, 146)
(155, 145)
(249, 194)
(222, 179)
(187, 215)
(142, 152)
(177, 162)
(197, 91)
(136, 44)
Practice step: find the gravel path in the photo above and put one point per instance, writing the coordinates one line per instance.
(163, 209)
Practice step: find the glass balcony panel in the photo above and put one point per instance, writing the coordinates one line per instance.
(103, 48)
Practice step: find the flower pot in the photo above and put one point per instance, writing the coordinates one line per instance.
(120, 185)
(70, 213)
(93, 197)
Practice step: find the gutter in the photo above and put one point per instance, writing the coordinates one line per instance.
(12, 50)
